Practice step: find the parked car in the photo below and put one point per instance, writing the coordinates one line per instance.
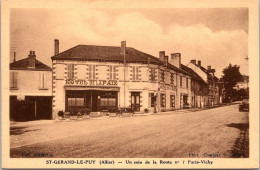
(244, 106)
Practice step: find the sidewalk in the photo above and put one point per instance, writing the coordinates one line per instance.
(42, 122)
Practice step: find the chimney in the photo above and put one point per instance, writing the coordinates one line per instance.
(166, 59)
(14, 56)
(209, 68)
(56, 46)
(162, 55)
(32, 58)
(199, 63)
(193, 61)
(175, 59)
(123, 47)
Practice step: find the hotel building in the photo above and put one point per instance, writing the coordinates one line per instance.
(103, 78)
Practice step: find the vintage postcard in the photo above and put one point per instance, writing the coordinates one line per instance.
(130, 84)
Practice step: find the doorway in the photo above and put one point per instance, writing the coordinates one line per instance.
(135, 101)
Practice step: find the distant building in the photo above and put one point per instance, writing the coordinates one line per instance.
(208, 75)
(199, 89)
(30, 83)
(243, 83)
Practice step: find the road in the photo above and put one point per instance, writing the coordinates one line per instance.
(219, 132)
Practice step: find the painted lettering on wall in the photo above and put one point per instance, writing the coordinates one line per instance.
(91, 82)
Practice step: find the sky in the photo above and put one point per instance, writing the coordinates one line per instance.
(216, 36)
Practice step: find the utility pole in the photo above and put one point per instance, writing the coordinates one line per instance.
(123, 48)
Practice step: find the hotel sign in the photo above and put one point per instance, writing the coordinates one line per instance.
(91, 82)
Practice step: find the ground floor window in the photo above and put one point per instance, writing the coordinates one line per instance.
(108, 99)
(163, 100)
(172, 97)
(185, 99)
(90, 100)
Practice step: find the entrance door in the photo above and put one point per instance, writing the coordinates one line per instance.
(135, 101)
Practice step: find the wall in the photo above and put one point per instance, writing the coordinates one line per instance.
(28, 83)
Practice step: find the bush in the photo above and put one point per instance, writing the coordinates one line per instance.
(60, 113)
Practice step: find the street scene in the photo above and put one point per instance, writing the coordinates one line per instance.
(220, 132)
(179, 89)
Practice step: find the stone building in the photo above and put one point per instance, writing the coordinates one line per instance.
(98, 78)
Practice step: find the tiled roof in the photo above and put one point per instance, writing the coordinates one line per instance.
(23, 65)
(193, 74)
(109, 53)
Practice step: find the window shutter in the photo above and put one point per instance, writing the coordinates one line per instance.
(137, 73)
(133, 68)
(44, 80)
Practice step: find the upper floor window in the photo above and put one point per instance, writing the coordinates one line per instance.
(152, 75)
(162, 76)
(172, 79)
(181, 81)
(187, 83)
(71, 71)
(135, 73)
(13, 80)
(112, 72)
(42, 80)
(92, 72)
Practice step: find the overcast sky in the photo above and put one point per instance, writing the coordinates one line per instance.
(217, 37)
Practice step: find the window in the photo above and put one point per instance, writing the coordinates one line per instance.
(112, 72)
(13, 80)
(187, 83)
(172, 101)
(75, 99)
(135, 74)
(163, 100)
(71, 71)
(152, 99)
(181, 81)
(108, 99)
(42, 80)
(162, 76)
(152, 76)
(172, 78)
(92, 72)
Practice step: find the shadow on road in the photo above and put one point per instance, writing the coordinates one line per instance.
(19, 130)
(241, 146)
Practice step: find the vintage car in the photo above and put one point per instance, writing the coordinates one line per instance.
(244, 106)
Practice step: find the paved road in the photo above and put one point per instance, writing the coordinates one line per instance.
(219, 132)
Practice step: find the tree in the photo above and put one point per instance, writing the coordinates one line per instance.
(231, 77)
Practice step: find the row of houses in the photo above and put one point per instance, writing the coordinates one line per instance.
(105, 78)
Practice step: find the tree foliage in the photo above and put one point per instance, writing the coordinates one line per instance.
(231, 77)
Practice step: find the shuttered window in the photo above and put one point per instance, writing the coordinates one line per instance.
(71, 71)
(13, 79)
(112, 72)
(135, 73)
(92, 72)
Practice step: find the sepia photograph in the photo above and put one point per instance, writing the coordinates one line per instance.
(159, 83)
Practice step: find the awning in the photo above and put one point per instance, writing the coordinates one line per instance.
(92, 88)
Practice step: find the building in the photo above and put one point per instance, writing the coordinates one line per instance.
(208, 75)
(243, 83)
(30, 89)
(103, 78)
(199, 89)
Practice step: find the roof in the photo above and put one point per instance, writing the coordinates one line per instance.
(109, 53)
(193, 74)
(206, 71)
(23, 65)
